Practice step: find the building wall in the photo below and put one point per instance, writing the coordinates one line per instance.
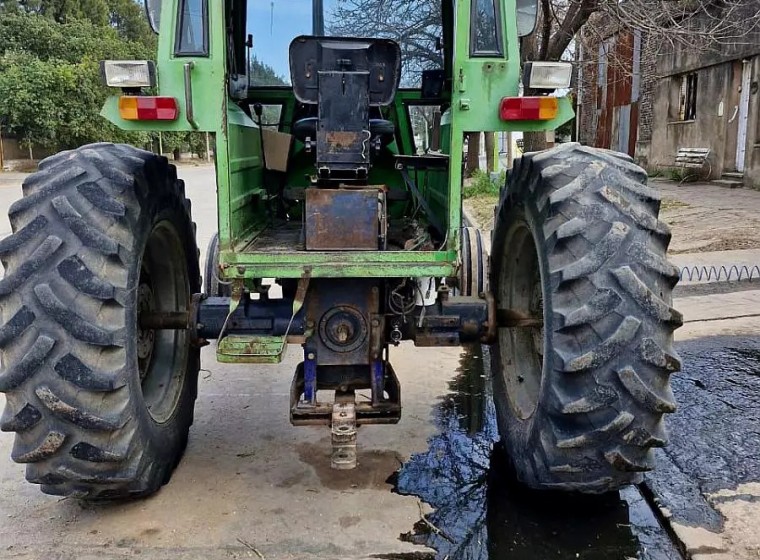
(611, 84)
(718, 89)
(655, 70)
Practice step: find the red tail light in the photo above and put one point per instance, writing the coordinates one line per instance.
(148, 108)
(528, 108)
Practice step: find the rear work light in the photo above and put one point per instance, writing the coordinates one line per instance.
(148, 108)
(528, 108)
(128, 73)
(547, 75)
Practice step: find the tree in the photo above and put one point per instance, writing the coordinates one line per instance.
(414, 24)
(264, 75)
(50, 86)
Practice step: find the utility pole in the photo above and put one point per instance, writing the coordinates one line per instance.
(318, 18)
(2, 154)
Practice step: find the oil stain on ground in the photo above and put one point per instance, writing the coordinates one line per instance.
(717, 426)
(481, 512)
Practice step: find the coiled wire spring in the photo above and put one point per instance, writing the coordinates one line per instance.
(733, 273)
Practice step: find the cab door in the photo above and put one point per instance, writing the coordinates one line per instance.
(486, 64)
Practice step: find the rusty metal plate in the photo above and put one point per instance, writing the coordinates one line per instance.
(342, 219)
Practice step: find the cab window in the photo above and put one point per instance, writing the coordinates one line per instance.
(486, 29)
(192, 28)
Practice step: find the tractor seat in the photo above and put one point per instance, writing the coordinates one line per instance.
(307, 128)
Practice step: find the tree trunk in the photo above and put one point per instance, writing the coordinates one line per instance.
(534, 141)
(490, 151)
(177, 154)
(473, 153)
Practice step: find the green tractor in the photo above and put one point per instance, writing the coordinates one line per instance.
(339, 229)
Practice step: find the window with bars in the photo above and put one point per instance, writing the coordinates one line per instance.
(687, 97)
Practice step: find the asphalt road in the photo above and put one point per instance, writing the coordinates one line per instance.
(253, 486)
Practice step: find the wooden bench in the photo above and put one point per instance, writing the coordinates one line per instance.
(696, 159)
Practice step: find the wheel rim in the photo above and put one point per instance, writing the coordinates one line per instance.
(162, 355)
(521, 349)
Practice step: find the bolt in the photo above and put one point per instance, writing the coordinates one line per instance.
(310, 356)
(343, 333)
(310, 324)
(375, 323)
(241, 269)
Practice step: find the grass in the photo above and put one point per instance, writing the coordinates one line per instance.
(481, 194)
(671, 204)
(481, 185)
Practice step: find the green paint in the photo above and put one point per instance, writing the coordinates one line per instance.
(242, 349)
(477, 86)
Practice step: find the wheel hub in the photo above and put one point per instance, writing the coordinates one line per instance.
(522, 348)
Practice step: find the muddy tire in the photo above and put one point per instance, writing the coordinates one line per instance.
(211, 285)
(100, 407)
(577, 242)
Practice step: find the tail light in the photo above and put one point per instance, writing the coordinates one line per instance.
(148, 108)
(528, 108)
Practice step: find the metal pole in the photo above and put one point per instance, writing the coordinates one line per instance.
(2, 154)
(208, 149)
(318, 18)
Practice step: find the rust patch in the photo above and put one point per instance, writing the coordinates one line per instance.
(342, 139)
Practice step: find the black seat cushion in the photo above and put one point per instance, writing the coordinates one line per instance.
(307, 128)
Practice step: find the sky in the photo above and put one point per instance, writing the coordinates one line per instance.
(274, 24)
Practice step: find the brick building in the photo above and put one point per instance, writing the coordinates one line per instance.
(649, 99)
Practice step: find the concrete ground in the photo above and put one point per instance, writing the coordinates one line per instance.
(252, 486)
(249, 480)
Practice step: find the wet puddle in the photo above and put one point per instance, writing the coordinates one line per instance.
(481, 512)
(718, 424)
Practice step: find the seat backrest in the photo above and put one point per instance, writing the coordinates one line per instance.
(381, 58)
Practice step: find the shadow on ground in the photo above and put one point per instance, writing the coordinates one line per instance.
(481, 512)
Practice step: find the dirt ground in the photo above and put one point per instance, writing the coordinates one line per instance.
(702, 216)
(705, 217)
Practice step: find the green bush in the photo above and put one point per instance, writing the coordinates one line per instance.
(676, 174)
(482, 185)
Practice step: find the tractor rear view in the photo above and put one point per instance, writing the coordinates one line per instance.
(340, 230)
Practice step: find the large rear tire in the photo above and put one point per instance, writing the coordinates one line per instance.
(100, 407)
(580, 400)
